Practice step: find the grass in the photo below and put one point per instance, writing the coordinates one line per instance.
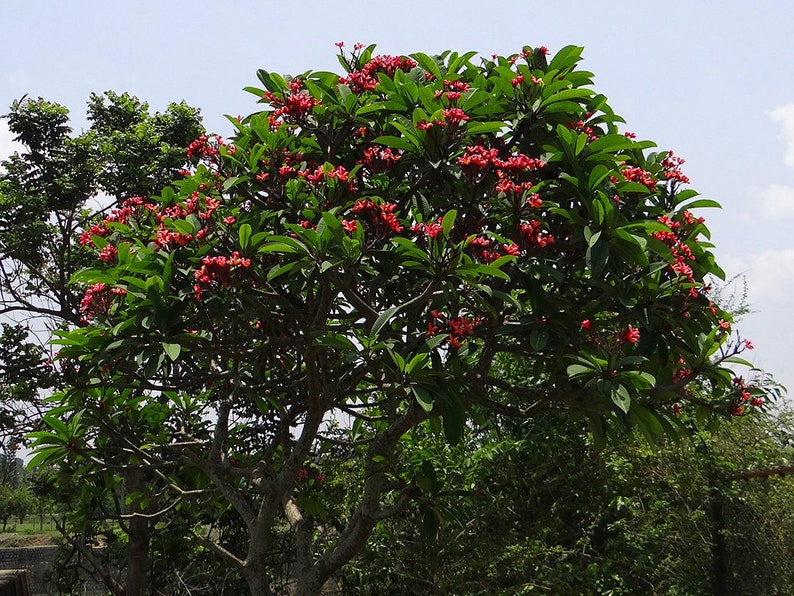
(31, 526)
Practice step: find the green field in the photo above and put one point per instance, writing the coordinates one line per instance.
(32, 525)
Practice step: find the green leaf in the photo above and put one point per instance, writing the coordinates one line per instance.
(278, 270)
(229, 182)
(428, 64)
(738, 360)
(597, 256)
(448, 221)
(456, 62)
(611, 143)
(621, 398)
(182, 226)
(395, 142)
(430, 524)
(420, 360)
(384, 318)
(538, 339)
(566, 95)
(173, 350)
(478, 128)
(244, 234)
(44, 456)
(423, 397)
(566, 57)
(701, 204)
(99, 241)
(334, 340)
(578, 370)
(453, 420)
(435, 341)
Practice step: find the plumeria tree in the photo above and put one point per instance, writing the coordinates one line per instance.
(375, 252)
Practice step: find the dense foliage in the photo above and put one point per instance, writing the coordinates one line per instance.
(535, 509)
(49, 191)
(388, 249)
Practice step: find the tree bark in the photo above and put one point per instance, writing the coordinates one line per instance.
(369, 512)
(138, 548)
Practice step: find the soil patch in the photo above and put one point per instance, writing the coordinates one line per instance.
(14, 540)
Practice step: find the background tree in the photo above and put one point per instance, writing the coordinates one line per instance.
(389, 248)
(52, 193)
(45, 189)
(536, 508)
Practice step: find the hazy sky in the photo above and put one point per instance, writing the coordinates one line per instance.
(713, 81)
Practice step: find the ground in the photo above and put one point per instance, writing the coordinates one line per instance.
(13, 539)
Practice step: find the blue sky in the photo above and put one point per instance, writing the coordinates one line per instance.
(712, 81)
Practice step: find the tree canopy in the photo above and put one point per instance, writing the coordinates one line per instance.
(421, 244)
(50, 191)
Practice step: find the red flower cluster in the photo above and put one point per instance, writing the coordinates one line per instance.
(476, 161)
(379, 159)
(534, 234)
(515, 164)
(366, 79)
(108, 254)
(672, 170)
(681, 374)
(320, 172)
(458, 328)
(356, 46)
(487, 250)
(511, 249)
(451, 117)
(120, 215)
(203, 147)
(637, 174)
(534, 200)
(681, 252)
(454, 116)
(631, 335)
(691, 220)
(305, 473)
(94, 230)
(430, 230)
(452, 90)
(381, 216)
(581, 126)
(293, 107)
(97, 300)
(484, 249)
(743, 397)
(507, 186)
(217, 271)
(164, 238)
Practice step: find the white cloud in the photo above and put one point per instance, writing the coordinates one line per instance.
(777, 201)
(785, 115)
(770, 275)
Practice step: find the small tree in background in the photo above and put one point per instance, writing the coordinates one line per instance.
(54, 189)
(386, 249)
(49, 192)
